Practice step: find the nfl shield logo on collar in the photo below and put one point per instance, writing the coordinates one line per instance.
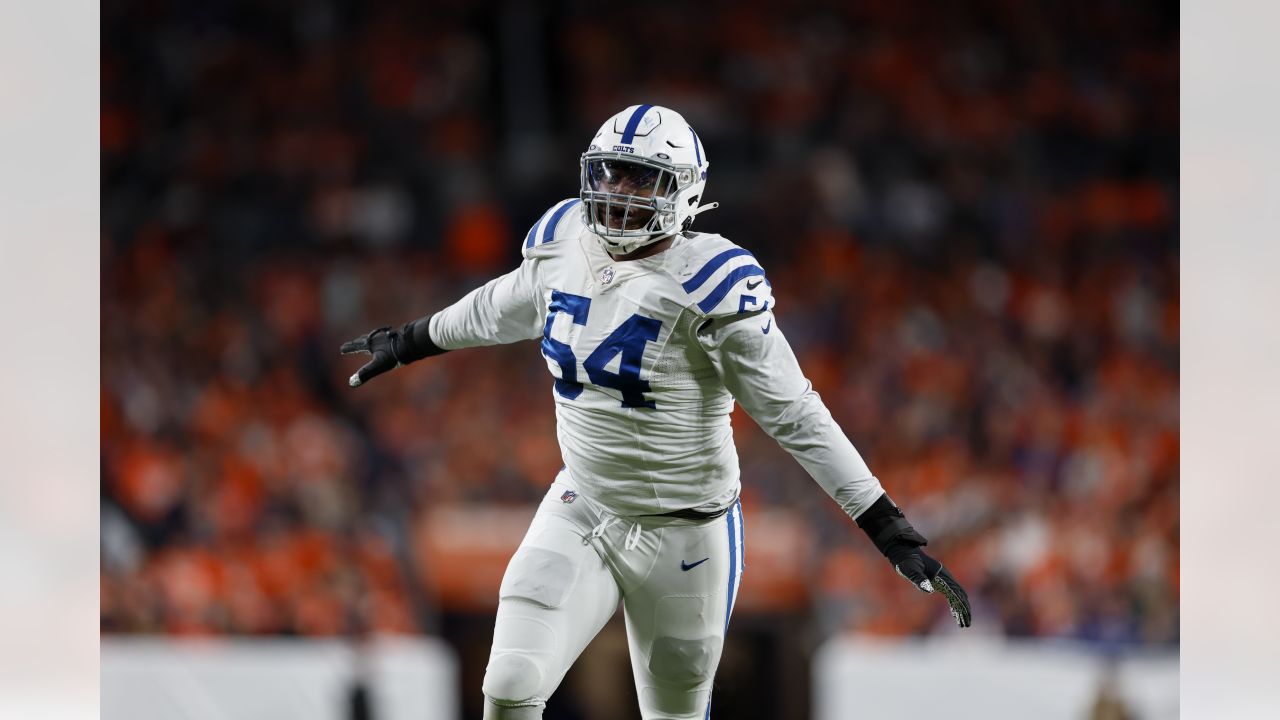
(606, 276)
(568, 497)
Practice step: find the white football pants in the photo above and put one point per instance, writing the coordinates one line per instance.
(677, 580)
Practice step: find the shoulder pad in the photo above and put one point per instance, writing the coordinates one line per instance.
(722, 279)
(560, 217)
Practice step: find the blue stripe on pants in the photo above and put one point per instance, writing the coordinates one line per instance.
(735, 537)
(733, 566)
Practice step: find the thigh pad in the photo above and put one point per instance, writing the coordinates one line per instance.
(540, 576)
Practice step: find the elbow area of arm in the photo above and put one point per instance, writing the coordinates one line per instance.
(804, 434)
(798, 425)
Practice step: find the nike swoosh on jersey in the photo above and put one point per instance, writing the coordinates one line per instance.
(767, 327)
(687, 567)
(753, 286)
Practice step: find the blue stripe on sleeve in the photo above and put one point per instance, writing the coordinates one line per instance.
(534, 231)
(712, 300)
(629, 133)
(712, 265)
(549, 231)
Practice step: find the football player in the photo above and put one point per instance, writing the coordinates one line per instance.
(650, 331)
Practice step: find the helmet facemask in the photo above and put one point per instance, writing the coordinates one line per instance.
(630, 201)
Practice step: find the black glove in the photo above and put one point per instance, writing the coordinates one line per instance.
(390, 349)
(928, 574)
(885, 524)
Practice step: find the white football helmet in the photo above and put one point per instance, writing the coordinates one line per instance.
(642, 178)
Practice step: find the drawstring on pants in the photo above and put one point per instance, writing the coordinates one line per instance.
(633, 535)
(598, 531)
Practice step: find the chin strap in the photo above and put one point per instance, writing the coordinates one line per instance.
(688, 221)
(703, 208)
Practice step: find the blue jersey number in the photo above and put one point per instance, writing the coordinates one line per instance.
(577, 307)
(627, 340)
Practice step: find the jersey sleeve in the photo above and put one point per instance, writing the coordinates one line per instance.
(756, 363)
(726, 281)
(558, 219)
(503, 310)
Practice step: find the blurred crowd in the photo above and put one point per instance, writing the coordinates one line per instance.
(968, 212)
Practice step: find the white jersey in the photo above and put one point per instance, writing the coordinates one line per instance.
(648, 357)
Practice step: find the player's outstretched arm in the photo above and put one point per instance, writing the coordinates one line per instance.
(757, 365)
(885, 524)
(503, 310)
(391, 349)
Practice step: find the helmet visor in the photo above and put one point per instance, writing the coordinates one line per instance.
(622, 193)
(622, 177)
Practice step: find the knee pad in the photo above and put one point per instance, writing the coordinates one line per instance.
(681, 671)
(512, 680)
(683, 663)
(493, 711)
(674, 704)
(540, 576)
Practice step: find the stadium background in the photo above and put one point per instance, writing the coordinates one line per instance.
(968, 212)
